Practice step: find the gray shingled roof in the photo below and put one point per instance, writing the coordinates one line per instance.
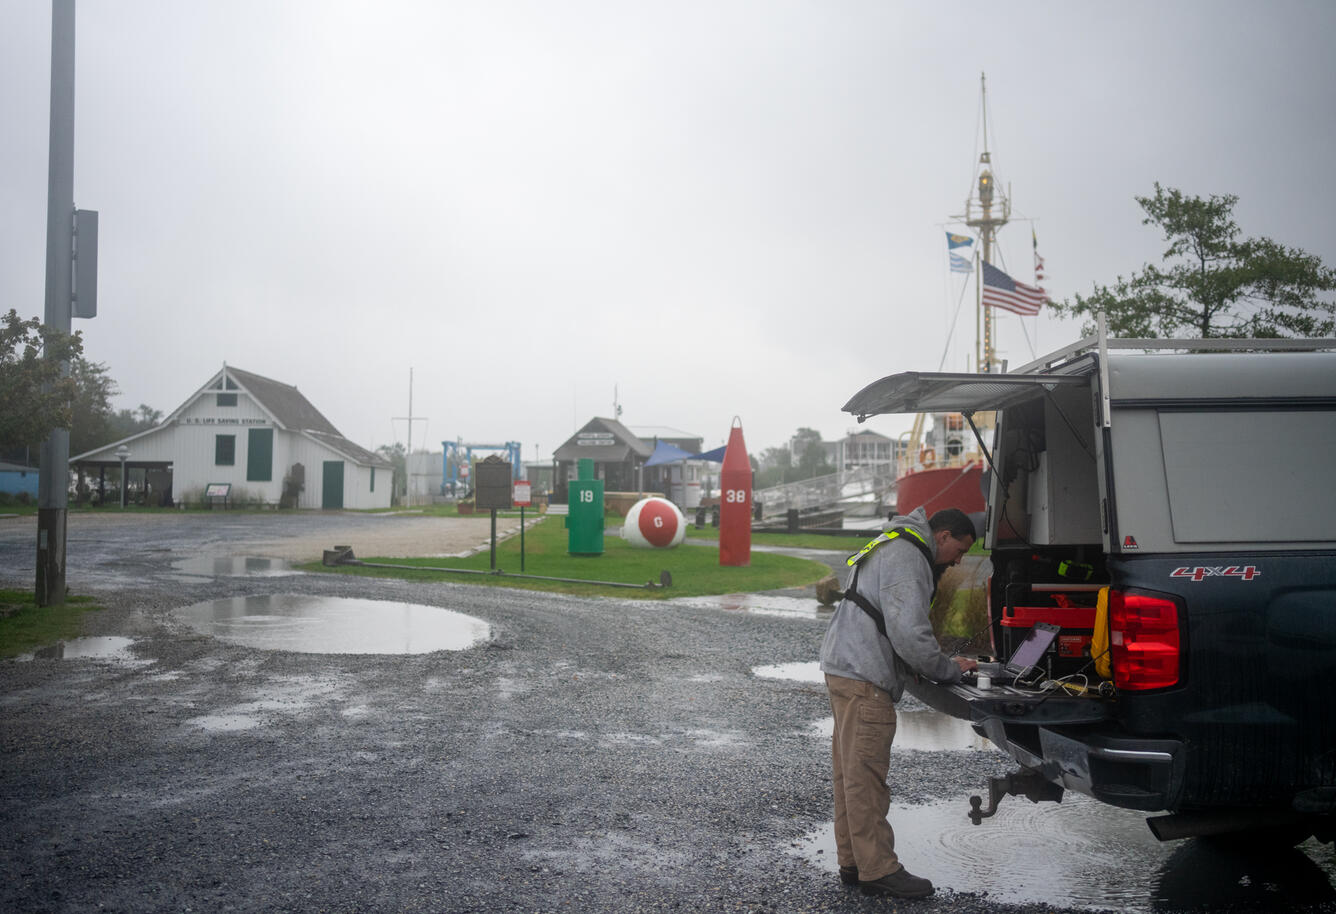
(627, 443)
(295, 413)
(287, 404)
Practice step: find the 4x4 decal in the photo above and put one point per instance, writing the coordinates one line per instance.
(1246, 572)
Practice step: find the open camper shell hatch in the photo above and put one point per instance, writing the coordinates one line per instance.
(1193, 489)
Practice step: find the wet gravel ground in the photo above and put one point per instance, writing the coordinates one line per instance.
(594, 755)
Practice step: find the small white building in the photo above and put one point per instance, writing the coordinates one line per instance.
(260, 437)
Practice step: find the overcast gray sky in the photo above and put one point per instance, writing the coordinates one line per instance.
(732, 207)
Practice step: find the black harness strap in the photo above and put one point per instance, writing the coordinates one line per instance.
(863, 603)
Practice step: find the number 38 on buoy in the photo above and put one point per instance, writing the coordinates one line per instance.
(735, 510)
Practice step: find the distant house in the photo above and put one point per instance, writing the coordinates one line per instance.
(618, 457)
(260, 437)
(16, 479)
(865, 448)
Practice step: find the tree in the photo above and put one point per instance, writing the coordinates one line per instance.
(1213, 283)
(773, 467)
(396, 454)
(35, 396)
(91, 411)
(807, 447)
(130, 422)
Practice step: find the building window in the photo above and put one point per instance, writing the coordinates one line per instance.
(227, 399)
(373, 479)
(260, 455)
(224, 450)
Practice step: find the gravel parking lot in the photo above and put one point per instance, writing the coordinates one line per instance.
(592, 755)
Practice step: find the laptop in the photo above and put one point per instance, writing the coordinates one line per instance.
(1026, 657)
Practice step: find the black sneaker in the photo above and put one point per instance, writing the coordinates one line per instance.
(849, 875)
(900, 884)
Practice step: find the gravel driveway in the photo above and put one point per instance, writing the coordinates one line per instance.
(593, 755)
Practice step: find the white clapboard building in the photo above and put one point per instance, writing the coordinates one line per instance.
(257, 440)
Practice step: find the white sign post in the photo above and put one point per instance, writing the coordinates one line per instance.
(523, 496)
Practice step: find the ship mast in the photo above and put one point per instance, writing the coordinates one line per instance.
(986, 223)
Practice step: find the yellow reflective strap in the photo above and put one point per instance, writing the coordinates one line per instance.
(857, 557)
(916, 536)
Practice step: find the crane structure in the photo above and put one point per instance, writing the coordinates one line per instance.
(459, 457)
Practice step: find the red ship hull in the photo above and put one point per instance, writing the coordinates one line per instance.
(941, 487)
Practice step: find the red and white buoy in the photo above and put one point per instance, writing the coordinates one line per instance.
(654, 523)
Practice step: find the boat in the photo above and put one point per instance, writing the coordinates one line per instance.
(943, 466)
(945, 471)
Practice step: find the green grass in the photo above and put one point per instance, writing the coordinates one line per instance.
(24, 625)
(836, 543)
(695, 569)
(846, 544)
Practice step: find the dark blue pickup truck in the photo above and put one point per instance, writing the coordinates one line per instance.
(1173, 512)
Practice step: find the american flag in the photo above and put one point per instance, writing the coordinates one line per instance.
(1001, 291)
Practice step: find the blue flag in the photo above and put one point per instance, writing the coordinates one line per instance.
(960, 264)
(954, 241)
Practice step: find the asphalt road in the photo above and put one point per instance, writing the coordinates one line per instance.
(593, 755)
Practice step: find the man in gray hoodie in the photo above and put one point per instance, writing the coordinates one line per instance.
(880, 635)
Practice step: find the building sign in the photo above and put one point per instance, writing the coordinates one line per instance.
(595, 439)
(491, 487)
(219, 420)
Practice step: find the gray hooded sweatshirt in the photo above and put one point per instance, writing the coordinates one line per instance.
(896, 579)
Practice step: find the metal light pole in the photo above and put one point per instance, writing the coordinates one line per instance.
(123, 454)
(53, 483)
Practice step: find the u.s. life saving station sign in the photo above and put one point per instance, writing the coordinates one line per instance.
(220, 420)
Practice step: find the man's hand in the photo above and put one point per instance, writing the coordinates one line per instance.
(966, 664)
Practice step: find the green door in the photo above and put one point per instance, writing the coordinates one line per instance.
(332, 489)
(260, 455)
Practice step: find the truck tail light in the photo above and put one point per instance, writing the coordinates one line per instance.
(1143, 639)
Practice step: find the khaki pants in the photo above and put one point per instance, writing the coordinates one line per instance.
(861, 755)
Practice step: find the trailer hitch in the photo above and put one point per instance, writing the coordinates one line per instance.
(1026, 782)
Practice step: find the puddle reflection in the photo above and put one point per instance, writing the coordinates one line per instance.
(1080, 853)
(924, 731)
(99, 648)
(799, 672)
(334, 625)
(760, 604)
(233, 566)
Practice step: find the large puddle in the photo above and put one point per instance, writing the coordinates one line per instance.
(334, 625)
(1080, 853)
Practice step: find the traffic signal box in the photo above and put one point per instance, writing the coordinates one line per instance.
(584, 518)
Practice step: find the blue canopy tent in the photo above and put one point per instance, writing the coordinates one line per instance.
(667, 453)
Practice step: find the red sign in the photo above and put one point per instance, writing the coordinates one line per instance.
(523, 493)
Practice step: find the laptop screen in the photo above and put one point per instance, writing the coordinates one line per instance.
(1031, 650)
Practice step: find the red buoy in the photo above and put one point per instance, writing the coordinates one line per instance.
(654, 523)
(735, 480)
